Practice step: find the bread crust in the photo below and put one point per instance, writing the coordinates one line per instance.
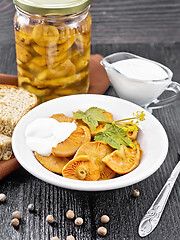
(14, 104)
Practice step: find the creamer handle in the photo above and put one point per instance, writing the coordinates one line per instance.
(174, 87)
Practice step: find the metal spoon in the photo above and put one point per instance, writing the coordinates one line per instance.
(153, 215)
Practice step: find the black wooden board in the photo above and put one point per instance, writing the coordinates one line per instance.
(147, 28)
(124, 210)
(118, 21)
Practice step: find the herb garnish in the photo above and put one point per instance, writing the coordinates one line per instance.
(115, 132)
(114, 136)
(91, 117)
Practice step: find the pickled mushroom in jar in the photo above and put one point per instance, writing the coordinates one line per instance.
(53, 55)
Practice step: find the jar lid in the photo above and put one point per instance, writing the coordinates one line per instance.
(52, 7)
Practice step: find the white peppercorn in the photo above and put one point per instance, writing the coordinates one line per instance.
(70, 214)
(105, 219)
(78, 221)
(2, 197)
(70, 237)
(50, 219)
(31, 207)
(16, 214)
(136, 193)
(15, 222)
(102, 231)
(54, 238)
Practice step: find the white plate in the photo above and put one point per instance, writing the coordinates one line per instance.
(152, 138)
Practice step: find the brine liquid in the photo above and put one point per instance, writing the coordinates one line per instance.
(53, 57)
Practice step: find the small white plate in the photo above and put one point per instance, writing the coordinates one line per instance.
(152, 138)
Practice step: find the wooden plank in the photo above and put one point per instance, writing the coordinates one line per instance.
(124, 211)
(118, 21)
(140, 21)
(131, 27)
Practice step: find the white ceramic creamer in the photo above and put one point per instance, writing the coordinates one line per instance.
(139, 80)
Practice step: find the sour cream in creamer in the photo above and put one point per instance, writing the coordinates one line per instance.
(140, 69)
(138, 80)
(44, 133)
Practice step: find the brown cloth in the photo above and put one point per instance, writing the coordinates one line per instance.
(99, 83)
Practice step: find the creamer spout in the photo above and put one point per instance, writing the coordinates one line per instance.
(105, 64)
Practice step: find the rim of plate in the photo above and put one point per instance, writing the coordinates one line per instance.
(85, 99)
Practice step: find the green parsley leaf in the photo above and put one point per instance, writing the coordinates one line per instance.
(114, 136)
(91, 117)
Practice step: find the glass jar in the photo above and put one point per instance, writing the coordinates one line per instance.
(53, 46)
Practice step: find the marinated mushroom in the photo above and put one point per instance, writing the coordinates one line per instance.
(96, 152)
(131, 134)
(81, 168)
(52, 163)
(69, 147)
(60, 117)
(45, 35)
(53, 57)
(101, 126)
(124, 160)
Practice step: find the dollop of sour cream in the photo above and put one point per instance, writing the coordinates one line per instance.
(44, 133)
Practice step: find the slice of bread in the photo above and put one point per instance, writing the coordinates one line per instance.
(5, 147)
(14, 104)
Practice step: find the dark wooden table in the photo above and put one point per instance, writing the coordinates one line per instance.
(147, 28)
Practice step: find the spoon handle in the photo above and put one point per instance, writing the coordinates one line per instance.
(153, 215)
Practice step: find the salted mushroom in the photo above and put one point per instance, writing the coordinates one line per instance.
(60, 117)
(69, 147)
(96, 152)
(101, 126)
(131, 134)
(81, 168)
(52, 163)
(124, 160)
